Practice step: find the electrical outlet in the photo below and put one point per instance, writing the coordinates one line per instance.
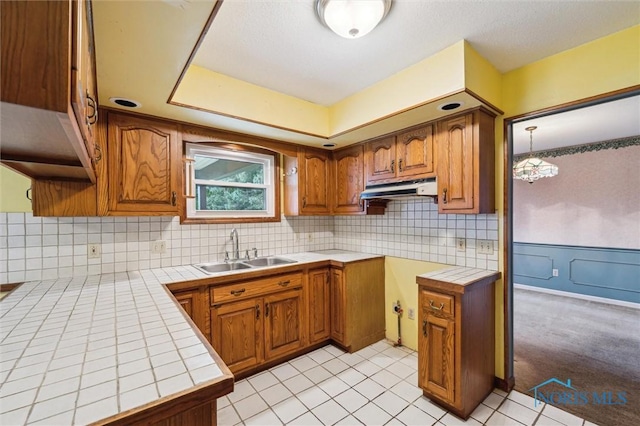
(310, 237)
(485, 246)
(461, 244)
(93, 251)
(159, 247)
(554, 272)
(412, 313)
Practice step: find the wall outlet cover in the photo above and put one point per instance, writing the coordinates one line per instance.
(411, 314)
(461, 244)
(93, 251)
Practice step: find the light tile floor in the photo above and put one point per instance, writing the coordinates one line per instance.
(374, 386)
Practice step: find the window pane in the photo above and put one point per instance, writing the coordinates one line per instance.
(210, 168)
(210, 197)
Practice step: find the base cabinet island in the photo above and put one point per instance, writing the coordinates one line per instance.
(456, 337)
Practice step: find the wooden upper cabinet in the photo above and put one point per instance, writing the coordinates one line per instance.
(308, 189)
(48, 89)
(381, 160)
(144, 166)
(466, 164)
(406, 156)
(414, 152)
(348, 172)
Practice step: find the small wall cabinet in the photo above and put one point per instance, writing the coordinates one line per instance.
(348, 181)
(405, 156)
(49, 103)
(144, 166)
(307, 191)
(456, 341)
(466, 163)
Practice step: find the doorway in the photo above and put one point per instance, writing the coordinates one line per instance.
(543, 304)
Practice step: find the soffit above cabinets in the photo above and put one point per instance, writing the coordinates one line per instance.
(143, 48)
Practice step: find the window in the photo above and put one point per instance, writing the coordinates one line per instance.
(227, 184)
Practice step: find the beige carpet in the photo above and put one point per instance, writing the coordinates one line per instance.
(595, 345)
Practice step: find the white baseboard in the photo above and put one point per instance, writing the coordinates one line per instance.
(579, 296)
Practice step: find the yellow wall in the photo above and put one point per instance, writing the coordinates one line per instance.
(400, 284)
(601, 66)
(13, 187)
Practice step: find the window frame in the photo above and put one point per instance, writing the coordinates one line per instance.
(237, 152)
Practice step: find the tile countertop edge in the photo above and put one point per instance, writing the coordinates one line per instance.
(457, 278)
(202, 393)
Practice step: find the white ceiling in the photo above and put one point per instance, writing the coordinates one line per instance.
(281, 45)
(598, 123)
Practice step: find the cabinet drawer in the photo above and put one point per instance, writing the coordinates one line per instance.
(437, 303)
(242, 290)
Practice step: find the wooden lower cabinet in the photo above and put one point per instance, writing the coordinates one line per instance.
(237, 333)
(283, 324)
(456, 358)
(357, 304)
(185, 299)
(319, 305)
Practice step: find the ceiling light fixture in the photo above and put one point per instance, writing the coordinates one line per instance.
(352, 18)
(531, 169)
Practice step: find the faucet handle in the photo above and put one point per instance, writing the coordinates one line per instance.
(255, 252)
(246, 254)
(226, 256)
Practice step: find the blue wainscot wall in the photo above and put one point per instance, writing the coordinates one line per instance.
(593, 271)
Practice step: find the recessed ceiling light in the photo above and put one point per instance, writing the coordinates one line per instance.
(129, 103)
(450, 106)
(329, 145)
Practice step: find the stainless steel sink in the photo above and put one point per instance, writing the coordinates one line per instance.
(268, 261)
(213, 268)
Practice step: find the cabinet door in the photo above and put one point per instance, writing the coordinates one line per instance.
(381, 160)
(319, 305)
(83, 98)
(436, 355)
(236, 333)
(144, 166)
(338, 307)
(185, 300)
(348, 169)
(414, 150)
(314, 182)
(455, 163)
(283, 323)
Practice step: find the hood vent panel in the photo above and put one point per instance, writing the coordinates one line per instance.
(419, 188)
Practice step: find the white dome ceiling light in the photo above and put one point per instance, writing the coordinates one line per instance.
(352, 18)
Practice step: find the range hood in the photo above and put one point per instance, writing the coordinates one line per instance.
(419, 188)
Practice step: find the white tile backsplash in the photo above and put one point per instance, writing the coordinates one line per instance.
(34, 248)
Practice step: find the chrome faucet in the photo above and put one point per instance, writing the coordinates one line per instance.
(234, 243)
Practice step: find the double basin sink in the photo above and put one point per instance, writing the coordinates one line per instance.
(258, 262)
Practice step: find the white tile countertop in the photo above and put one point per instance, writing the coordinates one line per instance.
(82, 349)
(459, 275)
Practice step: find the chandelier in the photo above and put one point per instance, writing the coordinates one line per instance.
(532, 168)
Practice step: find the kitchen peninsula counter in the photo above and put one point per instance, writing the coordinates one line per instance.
(113, 348)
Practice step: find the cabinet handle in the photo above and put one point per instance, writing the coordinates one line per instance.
(174, 198)
(93, 117)
(237, 292)
(266, 310)
(393, 165)
(28, 195)
(400, 165)
(257, 311)
(434, 307)
(444, 196)
(284, 283)
(304, 201)
(424, 328)
(99, 151)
